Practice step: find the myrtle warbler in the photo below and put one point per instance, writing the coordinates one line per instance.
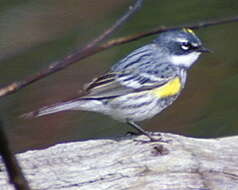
(140, 85)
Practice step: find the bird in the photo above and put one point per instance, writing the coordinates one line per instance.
(140, 85)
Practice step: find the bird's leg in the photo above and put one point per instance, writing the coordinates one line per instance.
(142, 131)
(133, 133)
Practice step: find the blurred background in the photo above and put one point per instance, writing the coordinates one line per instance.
(34, 33)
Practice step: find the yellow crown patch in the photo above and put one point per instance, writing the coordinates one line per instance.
(189, 30)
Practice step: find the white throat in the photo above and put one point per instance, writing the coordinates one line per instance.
(185, 60)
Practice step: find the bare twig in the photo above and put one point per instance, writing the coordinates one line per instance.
(117, 24)
(92, 47)
(15, 174)
(201, 24)
(74, 57)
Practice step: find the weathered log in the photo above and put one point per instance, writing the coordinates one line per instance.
(127, 163)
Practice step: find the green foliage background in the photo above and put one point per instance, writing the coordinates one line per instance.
(34, 33)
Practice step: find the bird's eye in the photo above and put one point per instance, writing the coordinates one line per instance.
(186, 46)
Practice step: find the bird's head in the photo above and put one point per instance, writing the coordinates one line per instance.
(182, 46)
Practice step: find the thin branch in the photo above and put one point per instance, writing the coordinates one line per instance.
(74, 57)
(92, 48)
(117, 24)
(198, 25)
(15, 174)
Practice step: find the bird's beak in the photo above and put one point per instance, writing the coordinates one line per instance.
(202, 49)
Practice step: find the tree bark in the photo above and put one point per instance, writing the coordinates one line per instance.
(129, 163)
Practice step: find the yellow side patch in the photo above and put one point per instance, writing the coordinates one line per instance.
(171, 88)
(189, 30)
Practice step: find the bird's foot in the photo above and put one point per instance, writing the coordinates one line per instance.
(152, 138)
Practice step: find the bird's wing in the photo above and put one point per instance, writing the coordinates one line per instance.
(115, 84)
(105, 86)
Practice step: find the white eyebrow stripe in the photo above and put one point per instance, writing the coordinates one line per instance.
(181, 40)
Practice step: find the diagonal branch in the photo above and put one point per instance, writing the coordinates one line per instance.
(201, 24)
(13, 169)
(74, 57)
(117, 24)
(92, 48)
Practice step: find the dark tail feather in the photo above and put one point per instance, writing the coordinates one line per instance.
(63, 106)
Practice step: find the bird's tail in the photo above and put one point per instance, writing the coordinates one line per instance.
(62, 106)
